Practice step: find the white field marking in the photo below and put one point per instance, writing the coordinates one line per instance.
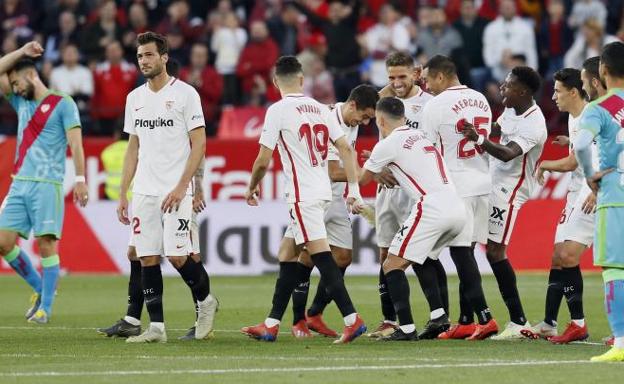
(510, 363)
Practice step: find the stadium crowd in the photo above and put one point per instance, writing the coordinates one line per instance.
(226, 48)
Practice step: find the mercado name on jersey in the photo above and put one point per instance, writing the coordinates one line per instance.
(42, 136)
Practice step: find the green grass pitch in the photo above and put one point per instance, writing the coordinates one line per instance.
(68, 350)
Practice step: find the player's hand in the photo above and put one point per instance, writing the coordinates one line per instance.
(589, 205)
(539, 175)
(386, 178)
(251, 196)
(355, 204)
(81, 194)
(387, 91)
(594, 181)
(122, 211)
(198, 200)
(32, 49)
(171, 203)
(365, 155)
(470, 132)
(562, 141)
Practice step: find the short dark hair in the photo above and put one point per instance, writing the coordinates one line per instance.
(287, 66)
(612, 57)
(441, 64)
(528, 77)
(22, 64)
(592, 66)
(391, 106)
(571, 79)
(152, 37)
(399, 59)
(365, 96)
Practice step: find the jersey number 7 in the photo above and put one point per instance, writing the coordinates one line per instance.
(477, 121)
(316, 138)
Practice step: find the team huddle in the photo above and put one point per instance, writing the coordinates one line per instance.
(441, 183)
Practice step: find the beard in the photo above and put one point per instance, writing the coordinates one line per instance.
(29, 92)
(153, 73)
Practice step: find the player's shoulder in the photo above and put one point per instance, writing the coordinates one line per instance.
(64, 97)
(605, 103)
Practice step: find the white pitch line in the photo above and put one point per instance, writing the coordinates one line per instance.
(290, 369)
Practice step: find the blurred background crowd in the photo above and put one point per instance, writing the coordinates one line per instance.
(226, 48)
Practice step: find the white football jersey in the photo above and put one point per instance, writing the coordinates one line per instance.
(467, 162)
(414, 107)
(515, 180)
(414, 161)
(339, 188)
(162, 121)
(301, 127)
(577, 180)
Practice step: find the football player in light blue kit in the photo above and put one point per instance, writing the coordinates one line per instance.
(47, 122)
(603, 119)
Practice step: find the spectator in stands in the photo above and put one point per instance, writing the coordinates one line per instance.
(178, 48)
(113, 80)
(439, 38)
(584, 10)
(554, 38)
(71, 77)
(137, 23)
(53, 9)
(256, 61)
(506, 36)
(318, 83)
(67, 34)
(470, 27)
(615, 16)
(283, 29)
(588, 44)
(99, 35)
(388, 35)
(208, 83)
(18, 17)
(227, 42)
(178, 18)
(340, 29)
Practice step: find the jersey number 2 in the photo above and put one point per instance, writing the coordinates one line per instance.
(316, 138)
(462, 153)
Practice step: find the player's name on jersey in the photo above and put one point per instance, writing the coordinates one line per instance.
(473, 103)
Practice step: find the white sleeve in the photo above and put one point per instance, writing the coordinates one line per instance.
(381, 156)
(128, 119)
(334, 130)
(529, 137)
(270, 128)
(193, 114)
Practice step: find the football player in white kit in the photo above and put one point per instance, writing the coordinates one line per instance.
(436, 216)
(468, 166)
(513, 166)
(575, 230)
(391, 201)
(358, 109)
(301, 127)
(167, 143)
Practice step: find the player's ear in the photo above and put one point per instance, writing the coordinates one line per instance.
(274, 79)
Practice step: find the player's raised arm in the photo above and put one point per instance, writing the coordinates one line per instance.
(32, 49)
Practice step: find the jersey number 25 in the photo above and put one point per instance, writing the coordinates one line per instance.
(462, 152)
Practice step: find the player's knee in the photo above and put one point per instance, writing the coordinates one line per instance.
(47, 245)
(177, 261)
(383, 255)
(150, 261)
(6, 246)
(304, 258)
(132, 255)
(555, 262)
(343, 257)
(394, 262)
(495, 253)
(196, 257)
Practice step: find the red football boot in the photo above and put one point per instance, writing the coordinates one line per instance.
(351, 332)
(483, 331)
(458, 331)
(261, 332)
(316, 324)
(300, 330)
(572, 333)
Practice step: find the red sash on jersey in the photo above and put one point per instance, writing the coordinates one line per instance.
(35, 126)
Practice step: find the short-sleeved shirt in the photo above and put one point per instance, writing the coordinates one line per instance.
(514, 181)
(577, 180)
(42, 135)
(301, 128)
(467, 162)
(162, 121)
(604, 118)
(339, 188)
(414, 161)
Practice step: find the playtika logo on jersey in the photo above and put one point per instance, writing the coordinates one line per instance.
(153, 123)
